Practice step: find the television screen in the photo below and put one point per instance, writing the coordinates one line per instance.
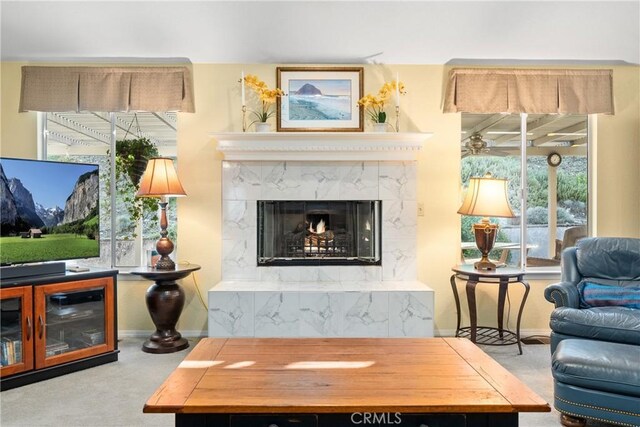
(48, 211)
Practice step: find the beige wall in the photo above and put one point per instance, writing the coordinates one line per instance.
(618, 148)
(18, 132)
(218, 109)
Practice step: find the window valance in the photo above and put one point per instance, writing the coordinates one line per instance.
(543, 91)
(106, 89)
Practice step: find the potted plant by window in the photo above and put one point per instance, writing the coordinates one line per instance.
(132, 156)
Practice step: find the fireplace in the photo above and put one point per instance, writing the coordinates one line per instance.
(293, 203)
(319, 232)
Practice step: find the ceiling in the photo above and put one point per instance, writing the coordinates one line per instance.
(393, 32)
(386, 32)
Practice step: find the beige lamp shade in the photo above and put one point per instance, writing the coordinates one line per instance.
(486, 197)
(160, 179)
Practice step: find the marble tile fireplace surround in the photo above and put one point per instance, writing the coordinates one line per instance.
(382, 300)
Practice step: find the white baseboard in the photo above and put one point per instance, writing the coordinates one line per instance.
(133, 333)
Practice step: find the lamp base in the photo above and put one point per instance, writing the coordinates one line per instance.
(165, 263)
(484, 265)
(164, 247)
(485, 233)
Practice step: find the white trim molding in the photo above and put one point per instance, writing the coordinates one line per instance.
(320, 146)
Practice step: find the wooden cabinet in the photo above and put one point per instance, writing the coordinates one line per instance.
(16, 330)
(56, 325)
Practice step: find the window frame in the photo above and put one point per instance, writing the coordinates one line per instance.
(42, 154)
(554, 272)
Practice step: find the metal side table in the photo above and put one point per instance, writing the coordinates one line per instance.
(503, 277)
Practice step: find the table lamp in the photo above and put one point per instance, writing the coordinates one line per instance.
(161, 180)
(486, 196)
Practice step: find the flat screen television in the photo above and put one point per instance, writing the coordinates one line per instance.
(48, 211)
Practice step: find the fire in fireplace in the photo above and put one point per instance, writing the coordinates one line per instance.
(319, 232)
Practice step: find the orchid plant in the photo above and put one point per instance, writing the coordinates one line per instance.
(374, 104)
(267, 97)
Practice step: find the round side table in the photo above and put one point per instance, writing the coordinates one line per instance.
(503, 277)
(165, 300)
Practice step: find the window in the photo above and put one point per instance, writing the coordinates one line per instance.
(87, 137)
(556, 162)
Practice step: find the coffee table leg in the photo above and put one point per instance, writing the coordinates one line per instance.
(165, 301)
(473, 316)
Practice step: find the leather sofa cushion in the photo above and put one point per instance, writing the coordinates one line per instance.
(598, 365)
(614, 324)
(609, 258)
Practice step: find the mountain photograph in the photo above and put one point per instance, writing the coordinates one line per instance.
(328, 99)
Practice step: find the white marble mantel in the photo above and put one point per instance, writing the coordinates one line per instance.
(313, 301)
(320, 146)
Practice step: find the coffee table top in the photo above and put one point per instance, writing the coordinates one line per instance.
(341, 375)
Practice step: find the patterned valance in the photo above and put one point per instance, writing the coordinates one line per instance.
(106, 89)
(548, 91)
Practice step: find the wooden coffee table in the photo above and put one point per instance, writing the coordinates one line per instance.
(342, 382)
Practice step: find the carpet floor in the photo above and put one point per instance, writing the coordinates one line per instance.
(114, 394)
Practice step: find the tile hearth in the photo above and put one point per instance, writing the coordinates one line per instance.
(315, 301)
(320, 309)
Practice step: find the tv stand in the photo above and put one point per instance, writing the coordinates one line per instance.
(54, 324)
(31, 270)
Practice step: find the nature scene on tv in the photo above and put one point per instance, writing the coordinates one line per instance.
(320, 99)
(48, 211)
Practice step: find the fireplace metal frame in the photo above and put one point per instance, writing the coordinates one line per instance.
(332, 245)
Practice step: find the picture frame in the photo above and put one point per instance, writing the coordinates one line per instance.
(320, 99)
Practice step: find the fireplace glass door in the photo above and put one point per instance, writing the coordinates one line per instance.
(319, 232)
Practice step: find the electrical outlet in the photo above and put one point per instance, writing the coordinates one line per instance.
(420, 209)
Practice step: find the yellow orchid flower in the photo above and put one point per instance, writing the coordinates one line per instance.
(374, 105)
(267, 97)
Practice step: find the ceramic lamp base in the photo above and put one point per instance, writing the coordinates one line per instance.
(485, 233)
(164, 246)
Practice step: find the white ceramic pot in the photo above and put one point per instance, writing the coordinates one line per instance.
(263, 127)
(379, 127)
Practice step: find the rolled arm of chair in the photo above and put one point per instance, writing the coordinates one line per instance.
(563, 294)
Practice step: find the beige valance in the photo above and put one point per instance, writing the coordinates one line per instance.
(482, 90)
(106, 89)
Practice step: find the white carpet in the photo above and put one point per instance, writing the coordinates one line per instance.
(114, 394)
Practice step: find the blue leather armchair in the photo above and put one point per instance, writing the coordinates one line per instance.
(595, 338)
(606, 261)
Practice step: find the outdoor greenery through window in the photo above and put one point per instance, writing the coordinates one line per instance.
(86, 138)
(556, 177)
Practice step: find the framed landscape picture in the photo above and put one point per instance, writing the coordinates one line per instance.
(320, 99)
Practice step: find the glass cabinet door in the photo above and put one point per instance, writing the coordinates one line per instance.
(73, 321)
(16, 330)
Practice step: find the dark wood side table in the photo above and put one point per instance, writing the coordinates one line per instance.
(503, 277)
(165, 300)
